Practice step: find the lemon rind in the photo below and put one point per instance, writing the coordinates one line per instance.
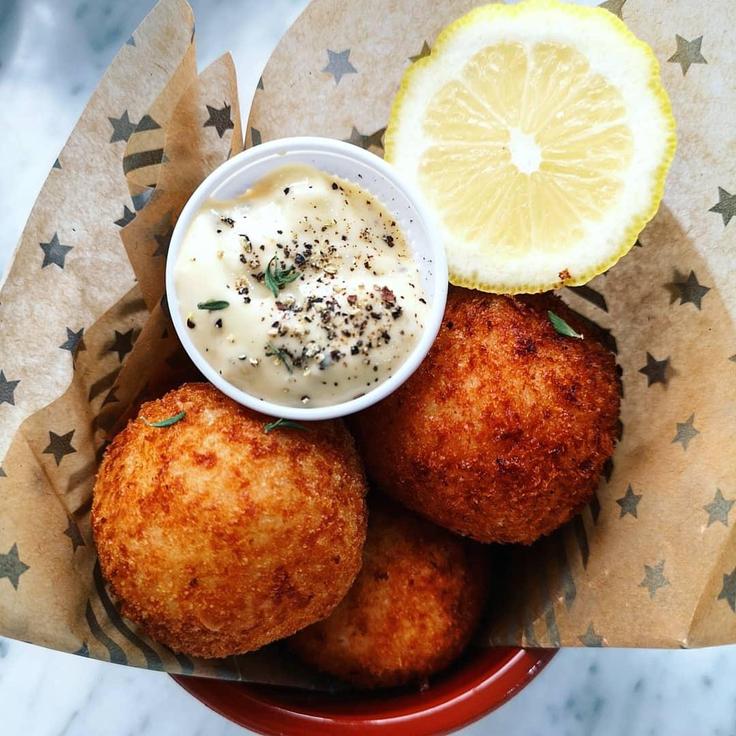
(639, 220)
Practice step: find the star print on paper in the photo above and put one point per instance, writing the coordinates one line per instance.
(11, 566)
(255, 137)
(83, 651)
(54, 252)
(614, 6)
(163, 239)
(654, 578)
(338, 65)
(426, 51)
(128, 216)
(687, 290)
(719, 508)
(122, 344)
(140, 200)
(3, 474)
(726, 206)
(57, 164)
(686, 432)
(366, 141)
(74, 342)
(111, 397)
(590, 638)
(728, 590)
(122, 128)
(655, 370)
(72, 531)
(7, 390)
(219, 118)
(260, 83)
(60, 445)
(688, 52)
(629, 502)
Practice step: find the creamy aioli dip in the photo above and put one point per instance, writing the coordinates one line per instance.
(302, 291)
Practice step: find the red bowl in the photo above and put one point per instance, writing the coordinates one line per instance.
(484, 681)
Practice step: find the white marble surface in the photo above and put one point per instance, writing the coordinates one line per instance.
(51, 54)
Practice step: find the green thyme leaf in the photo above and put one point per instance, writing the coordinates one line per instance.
(273, 352)
(166, 422)
(562, 327)
(283, 424)
(213, 305)
(276, 278)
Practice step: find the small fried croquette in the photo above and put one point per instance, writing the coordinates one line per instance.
(503, 431)
(412, 609)
(217, 537)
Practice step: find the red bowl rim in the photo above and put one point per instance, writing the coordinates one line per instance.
(486, 681)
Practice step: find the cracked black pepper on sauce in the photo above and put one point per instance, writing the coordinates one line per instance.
(324, 298)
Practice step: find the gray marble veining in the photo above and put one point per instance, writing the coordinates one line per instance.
(52, 53)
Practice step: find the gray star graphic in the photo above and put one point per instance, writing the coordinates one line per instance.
(122, 344)
(366, 141)
(60, 445)
(72, 531)
(726, 206)
(728, 591)
(733, 358)
(590, 638)
(220, 119)
(57, 164)
(7, 390)
(688, 52)
(54, 252)
(687, 289)
(122, 128)
(140, 200)
(628, 502)
(11, 566)
(163, 240)
(3, 474)
(655, 370)
(718, 508)
(338, 64)
(111, 397)
(614, 6)
(260, 83)
(74, 341)
(83, 651)
(426, 51)
(128, 216)
(147, 123)
(686, 432)
(654, 578)
(255, 137)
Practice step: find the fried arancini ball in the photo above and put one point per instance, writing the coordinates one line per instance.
(412, 609)
(503, 431)
(218, 538)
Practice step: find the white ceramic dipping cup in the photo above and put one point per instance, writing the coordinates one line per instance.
(377, 177)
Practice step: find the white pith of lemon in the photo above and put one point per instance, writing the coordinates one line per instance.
(541, 135)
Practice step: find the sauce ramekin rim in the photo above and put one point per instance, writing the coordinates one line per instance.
(363, 160)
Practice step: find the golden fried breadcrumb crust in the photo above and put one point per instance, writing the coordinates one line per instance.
(411, 610)
(218, 538)
(503, 431)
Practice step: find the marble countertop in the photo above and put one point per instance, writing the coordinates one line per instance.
(52, 52)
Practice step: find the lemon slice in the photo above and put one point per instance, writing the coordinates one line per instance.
(541, 135)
